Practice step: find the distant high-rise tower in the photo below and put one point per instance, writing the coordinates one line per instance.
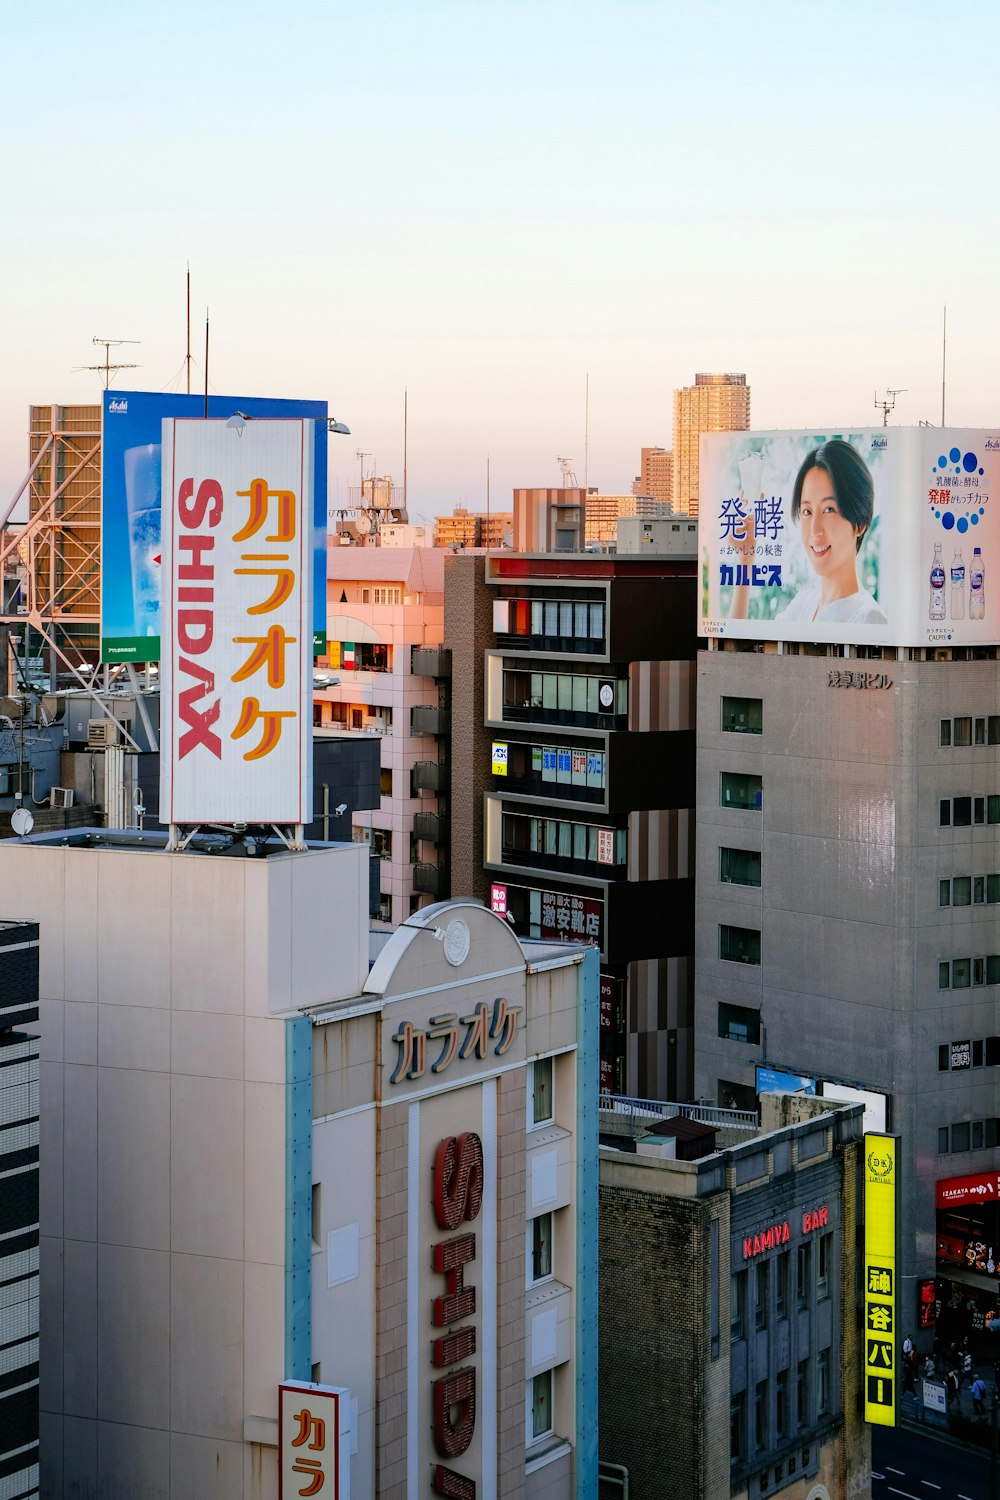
(657, 475)
(715, 403)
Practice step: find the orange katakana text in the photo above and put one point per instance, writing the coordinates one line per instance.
(269, 653)
(270, 718)
(258, 494)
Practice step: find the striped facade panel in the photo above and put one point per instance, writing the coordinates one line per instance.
(662, 695)
(18, 1262)
(661, 1022)
(661, 844)
(18, 974)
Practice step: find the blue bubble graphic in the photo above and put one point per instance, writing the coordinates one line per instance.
(941, 461)
(955, 454)
(974, 520)
(982, 471)
(963, 524)
(947, 520)
(970, 462)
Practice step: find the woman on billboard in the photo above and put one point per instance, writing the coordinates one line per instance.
(833, 503)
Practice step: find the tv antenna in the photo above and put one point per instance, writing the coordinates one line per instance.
(888, 401)
(108, 368)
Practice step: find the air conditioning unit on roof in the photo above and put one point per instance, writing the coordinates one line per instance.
(101, 733)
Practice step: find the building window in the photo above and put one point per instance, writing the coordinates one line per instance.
(744, 792)
(823, 1393)
(969, 890)
(965, 812)
(382, 843)
(737, 1426)
(384, 908)
(802, 1393)
(739, 1023)
(540, 1103)
(966, 731)
(739, 866)
(957, 1056)
(762, 1281)
(539, 1407)
(967, 1135)
(385, 596)
(824, 1260)
(742, 715)
(540, 1249)
(782, 1271)
(803, 1259)
(385, 781)
(737, 1303)
(739, 945)
(963, 973)
(760, 1415)
(781, 1404)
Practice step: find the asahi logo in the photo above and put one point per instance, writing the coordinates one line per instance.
(116, 405)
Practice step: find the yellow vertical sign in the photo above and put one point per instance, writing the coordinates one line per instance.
(881, 1338)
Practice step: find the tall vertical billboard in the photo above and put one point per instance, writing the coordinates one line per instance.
(131, 459)
(236, 646)
(882, 1335)
(878, 536)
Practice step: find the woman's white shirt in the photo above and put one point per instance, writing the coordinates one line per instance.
(857, 609)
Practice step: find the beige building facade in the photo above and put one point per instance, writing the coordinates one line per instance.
(715, 403)
(263, 1164)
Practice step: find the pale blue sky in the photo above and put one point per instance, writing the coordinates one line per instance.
(487, 202)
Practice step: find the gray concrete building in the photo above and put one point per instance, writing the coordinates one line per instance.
(848, 875)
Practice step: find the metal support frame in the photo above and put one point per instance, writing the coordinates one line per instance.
(290, 834)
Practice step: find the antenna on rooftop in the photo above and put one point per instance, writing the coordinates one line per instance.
(108, 368)
(568, 476)
(888, 401)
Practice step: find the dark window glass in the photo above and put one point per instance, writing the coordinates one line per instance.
(977, 1054)
(802, 1276)
(740, 945)
(961, 1136)
(944, 813)
(737, 1425)
(737, 1303)
(760, 1415)
(962, 732)
(781, 1283)
(961, 812)
(961, 891)
(944, 893)
(781, 1404)
(942, 1140)
(943, 1059)
(977, 1135)
(742, 715)
(762, 1281)
(944, 976)
(739, 866)
(961, 976)
(945, 737)
(739, 1023)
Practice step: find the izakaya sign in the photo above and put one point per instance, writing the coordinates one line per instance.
(236, 652)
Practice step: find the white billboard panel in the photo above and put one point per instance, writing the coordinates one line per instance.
(878, 536)
(236, 652)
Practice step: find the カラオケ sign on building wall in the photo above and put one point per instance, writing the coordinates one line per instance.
(881, 536)
(236, 647)
(131, 541)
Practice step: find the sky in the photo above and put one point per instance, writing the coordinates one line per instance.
(492, 206)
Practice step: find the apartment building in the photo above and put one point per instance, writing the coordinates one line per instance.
(715, 403)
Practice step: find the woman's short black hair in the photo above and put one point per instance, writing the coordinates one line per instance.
(852, 483)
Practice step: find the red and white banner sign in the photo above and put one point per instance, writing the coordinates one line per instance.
(236, 662)
(312, 1455)
(957, 1192)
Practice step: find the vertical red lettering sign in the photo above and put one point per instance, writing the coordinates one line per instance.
(458, 1197)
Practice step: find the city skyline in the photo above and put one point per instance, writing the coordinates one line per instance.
(462, 202)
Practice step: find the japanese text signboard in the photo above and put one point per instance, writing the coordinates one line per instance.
(236, 648)
(310, 1441)
(131, 513)
(880, 1335)
(881, 536)
(958, 1192)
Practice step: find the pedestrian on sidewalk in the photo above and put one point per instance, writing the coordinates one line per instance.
(979, 1396)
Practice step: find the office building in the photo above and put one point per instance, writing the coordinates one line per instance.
(465, 528)
(268, 1161)
(656, 475)
(729, 1340)
(715, 403)
(385, 605)
(573, 680)
(19, 1168)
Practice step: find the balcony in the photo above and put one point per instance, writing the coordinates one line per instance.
(430, 661)
(431, 880)
(431, 776)
(433, 827)
(426, 718)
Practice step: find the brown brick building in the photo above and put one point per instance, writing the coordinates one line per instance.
(729, 1360)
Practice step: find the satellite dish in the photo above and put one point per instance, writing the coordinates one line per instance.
(21, 821)
(363, 522)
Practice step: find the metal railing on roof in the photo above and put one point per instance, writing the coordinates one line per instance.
(638, 1114)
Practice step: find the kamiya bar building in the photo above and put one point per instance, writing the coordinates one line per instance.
(268, 1162)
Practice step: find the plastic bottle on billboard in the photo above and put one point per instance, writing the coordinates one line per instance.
(977, 586)
(958, 585)
(937, 610)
